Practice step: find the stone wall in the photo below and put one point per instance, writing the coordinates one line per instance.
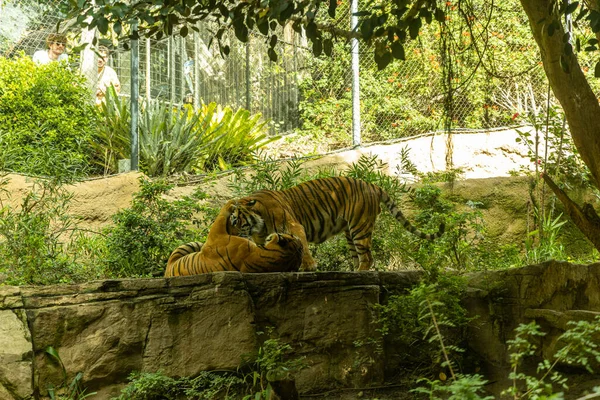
(181, 326)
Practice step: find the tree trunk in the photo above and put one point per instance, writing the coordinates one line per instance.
(579, 103)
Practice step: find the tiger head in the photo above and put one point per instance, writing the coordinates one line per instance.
(289, 248)
(244, 221)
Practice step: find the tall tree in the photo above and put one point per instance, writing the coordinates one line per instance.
(388, 25)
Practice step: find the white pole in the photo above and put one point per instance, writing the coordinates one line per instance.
(355, 77)
(89, 60)
(148, 72)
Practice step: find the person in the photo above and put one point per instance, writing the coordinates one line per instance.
(106, 75)
(56, 43)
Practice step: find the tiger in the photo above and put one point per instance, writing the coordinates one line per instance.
(316, 210)
(225, 251)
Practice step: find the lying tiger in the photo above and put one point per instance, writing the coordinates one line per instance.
(316, 210)
(226, 252)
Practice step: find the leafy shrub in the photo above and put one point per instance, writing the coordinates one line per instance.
(39, 242)
(174, 140)
(112, 140)
(406, 322)
(244, 135)
(46, 116)
(144, 235)
(250, 381)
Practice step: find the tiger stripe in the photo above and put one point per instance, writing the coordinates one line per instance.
(318, 209)
(225, 252)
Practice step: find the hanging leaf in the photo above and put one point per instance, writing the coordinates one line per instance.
(597, 70)
(382, 60)
(582, 14)
(272, 55)
(311, 30)
(241, 31)
(102, 25)
(223, 10)
(328, 47)
(183, 32)
(571, 8)
(413, 28)
(263, 26)
(439, 15)
(332, 8)
(317, 47)
(398, 51)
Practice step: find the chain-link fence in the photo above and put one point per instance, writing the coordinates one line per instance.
(481, 71)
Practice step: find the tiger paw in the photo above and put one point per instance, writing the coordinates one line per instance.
(308, 266)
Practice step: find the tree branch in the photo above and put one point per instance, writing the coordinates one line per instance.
(585, 218)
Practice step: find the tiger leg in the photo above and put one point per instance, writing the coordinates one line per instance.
(308, 262)
(351, 247)
(362, 243)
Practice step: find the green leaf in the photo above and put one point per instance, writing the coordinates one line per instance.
(328, 47)
(383, 60)
(398, 50)
(311, 30)
(241, 32)
(413, 28)
(183, 32)
(332, 8)
(597, 70)
(439, 15)
(102, 25)
(272, 55)
(571, 8)
(317, 47)
(582, 14)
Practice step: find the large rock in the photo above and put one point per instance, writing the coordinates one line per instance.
(181, 326)
(15, 355)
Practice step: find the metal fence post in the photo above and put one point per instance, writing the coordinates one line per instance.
(135, 71)
(355, 77)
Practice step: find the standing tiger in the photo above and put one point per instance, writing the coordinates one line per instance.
(316, 210)
(225, 252)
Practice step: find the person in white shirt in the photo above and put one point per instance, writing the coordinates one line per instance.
(106, 75)
(56, 43)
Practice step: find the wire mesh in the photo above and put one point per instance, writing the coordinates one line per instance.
(486, 59)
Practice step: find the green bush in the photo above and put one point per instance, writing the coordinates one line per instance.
(144, 235)
(112, 139)
(405, 320)
(47, 118)
(39, 241)
(179, 140)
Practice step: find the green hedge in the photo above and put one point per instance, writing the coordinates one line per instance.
(46, 117)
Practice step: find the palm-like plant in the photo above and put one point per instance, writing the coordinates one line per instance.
(113, 136)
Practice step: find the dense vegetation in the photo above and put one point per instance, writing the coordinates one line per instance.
(49, 128)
